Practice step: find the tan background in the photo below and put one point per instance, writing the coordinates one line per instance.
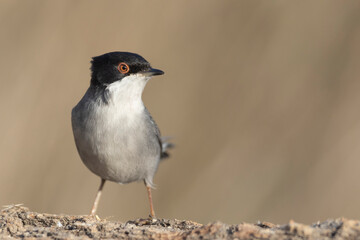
(261, 97)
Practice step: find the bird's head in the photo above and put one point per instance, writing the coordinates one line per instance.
(116, 66)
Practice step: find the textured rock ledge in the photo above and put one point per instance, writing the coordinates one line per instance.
(18, 222)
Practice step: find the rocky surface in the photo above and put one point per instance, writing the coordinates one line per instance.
(17, 221)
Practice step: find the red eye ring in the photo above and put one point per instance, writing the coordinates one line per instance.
(123, 68)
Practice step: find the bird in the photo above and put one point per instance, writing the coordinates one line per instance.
(115, 135)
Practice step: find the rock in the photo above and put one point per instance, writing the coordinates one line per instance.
(17, 221)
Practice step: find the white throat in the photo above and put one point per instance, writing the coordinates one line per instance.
(128, 92)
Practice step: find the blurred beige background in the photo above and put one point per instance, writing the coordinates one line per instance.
(262, 99)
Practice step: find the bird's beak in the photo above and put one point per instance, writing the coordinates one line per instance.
(153, 72)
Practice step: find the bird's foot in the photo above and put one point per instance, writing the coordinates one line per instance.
(96, 217)
(145, 221)
(152, 218)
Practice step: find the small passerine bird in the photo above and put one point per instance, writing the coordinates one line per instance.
(115, 135)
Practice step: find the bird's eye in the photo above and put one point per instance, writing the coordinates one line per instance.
(123, 68)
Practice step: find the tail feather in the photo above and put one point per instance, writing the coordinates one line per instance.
(165, 147)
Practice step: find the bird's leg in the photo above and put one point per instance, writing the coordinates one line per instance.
(97, 198)
(152, 212)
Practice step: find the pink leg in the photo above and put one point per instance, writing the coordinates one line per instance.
(152, 212)
(97, 198)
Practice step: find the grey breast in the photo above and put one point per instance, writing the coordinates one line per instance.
(116, 144)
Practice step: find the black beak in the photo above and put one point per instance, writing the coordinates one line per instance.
(154, 72)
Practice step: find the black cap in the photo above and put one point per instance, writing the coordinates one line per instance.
(114, 66)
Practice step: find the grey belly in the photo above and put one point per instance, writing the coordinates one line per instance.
(120, 152)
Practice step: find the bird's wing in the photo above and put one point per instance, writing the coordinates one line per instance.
(163, 143)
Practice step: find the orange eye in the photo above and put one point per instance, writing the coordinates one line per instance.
(123, 68)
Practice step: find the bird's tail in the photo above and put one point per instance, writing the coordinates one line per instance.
(166, 145)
